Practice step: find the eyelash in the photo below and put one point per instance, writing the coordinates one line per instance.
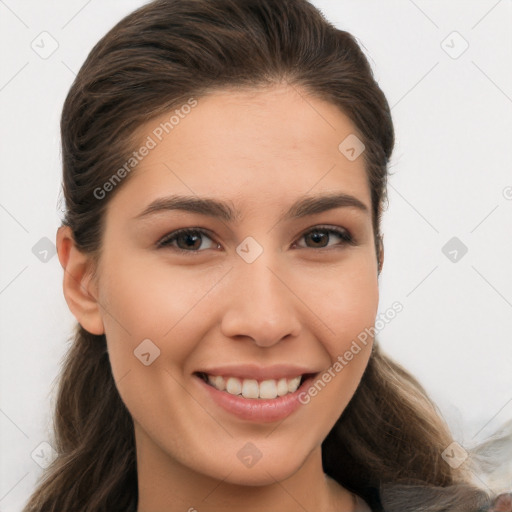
(171, 237)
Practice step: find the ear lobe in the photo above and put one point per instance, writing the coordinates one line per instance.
(78, 286)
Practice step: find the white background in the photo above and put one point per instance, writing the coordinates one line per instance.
(451, 177)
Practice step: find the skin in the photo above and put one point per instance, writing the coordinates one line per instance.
(298, 302)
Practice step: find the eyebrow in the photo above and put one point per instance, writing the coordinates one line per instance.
(304, 206)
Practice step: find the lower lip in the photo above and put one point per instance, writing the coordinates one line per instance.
(257, 409)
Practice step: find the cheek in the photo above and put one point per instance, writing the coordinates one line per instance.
(347, 307)
(150, 300)
(345, 300)
(149, 309)
(159, 303)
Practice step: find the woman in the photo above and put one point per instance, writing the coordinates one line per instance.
(225, 168)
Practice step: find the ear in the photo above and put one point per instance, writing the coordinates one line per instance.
(381, 253)
(79, 287)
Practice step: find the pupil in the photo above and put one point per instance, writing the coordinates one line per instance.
(318, 237)
(190, 240)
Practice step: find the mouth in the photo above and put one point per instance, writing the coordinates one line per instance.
(253, 389)
(260, 395)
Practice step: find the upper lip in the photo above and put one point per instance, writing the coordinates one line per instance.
(260, 373)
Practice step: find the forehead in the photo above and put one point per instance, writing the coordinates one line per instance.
(256, 148)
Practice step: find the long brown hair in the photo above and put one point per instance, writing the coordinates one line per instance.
(387, 445)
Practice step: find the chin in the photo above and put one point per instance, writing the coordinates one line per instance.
(260, 476)
(233, 471)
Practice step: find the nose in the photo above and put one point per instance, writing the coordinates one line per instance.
(261, 304)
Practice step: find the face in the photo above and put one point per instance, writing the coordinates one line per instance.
(269, 283)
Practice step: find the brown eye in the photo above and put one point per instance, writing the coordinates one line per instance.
(188, 240)
(318, 238)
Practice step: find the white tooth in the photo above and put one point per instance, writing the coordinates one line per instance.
(218, 382)
(233, 386)
(250, 388)
(282, 387)
(268, 389)
(293, 384)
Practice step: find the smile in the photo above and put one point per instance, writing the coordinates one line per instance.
(252, 388)
(252, 399)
